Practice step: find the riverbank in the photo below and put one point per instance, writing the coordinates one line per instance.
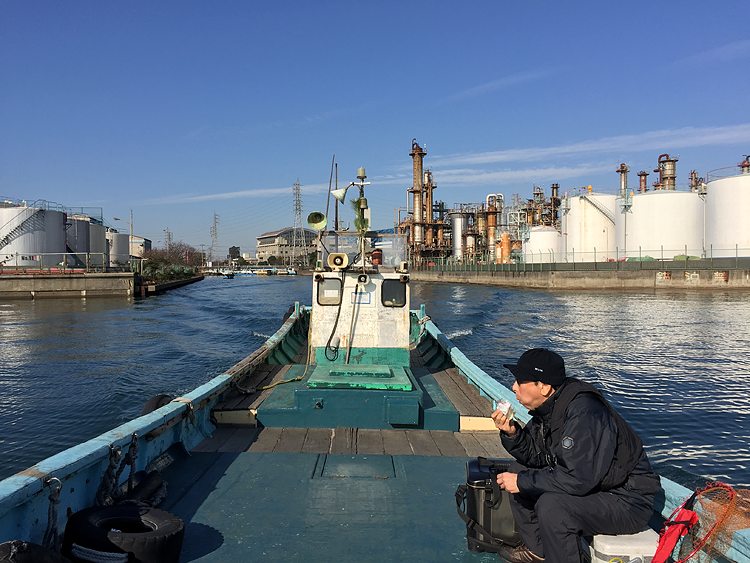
(81, 284)
(594, 279)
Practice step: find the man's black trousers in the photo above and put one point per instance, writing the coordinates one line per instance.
(552, 524)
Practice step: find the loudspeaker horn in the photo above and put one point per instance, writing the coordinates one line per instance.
(340, 194)
(317, 221)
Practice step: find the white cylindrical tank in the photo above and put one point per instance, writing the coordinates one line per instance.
(78, 235)
(31, 237)
(119, 249)
(458, 226)
(661, 224)
(727, 208)
(589, 228)
(98, 257)
(543, 245)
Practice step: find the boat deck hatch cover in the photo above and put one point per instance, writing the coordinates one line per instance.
(359, 376)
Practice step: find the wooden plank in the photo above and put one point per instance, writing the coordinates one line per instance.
(456, 394)
(369, 441)
(215, 441)
(447, 443)
(266, 440)
(470, 444)
(275, 376)
(483, 404)
(343, 441)
(291, 440)
(317, 441)
(491, 442)
(395, 442)
(240, 440)
(422, 443)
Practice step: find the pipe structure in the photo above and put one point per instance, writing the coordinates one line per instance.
(418, 154)
(642, 182)
(429, 186)
(667, 170)
(623, 172)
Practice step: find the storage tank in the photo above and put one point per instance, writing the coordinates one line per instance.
(78, 239)
(31, 237)
(589, 228)
(458, 227)
(662, 223)
(727, 208)
(98, 257)
(543, 245)
(119, 249)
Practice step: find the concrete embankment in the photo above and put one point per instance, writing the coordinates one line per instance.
(607, 279)
(81, 284)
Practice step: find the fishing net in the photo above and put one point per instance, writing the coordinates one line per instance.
(721, 511)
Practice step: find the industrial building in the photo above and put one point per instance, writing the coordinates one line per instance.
(665, 221)
(44, 235)
(281, 245)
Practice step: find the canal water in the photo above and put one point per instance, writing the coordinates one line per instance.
(675, 364)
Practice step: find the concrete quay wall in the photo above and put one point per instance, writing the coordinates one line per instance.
(83, 284)
(593, 279)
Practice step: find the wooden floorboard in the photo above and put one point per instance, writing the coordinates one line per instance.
(447, 443)
(215, 440)
(291, 440)
(317, 441)
(395, 442)
(422, 443)
(369, 442)
(456, 394)
(240, 440)
(265, 441)
(343, 440)
(471, 445)
(491, 442)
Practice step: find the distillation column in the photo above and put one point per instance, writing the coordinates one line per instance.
(429, 186)
(418, 154)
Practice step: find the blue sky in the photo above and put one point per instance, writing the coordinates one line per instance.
(179, 110)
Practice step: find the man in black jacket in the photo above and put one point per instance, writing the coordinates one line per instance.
(581, 468)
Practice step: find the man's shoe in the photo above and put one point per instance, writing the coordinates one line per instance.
(520, 554)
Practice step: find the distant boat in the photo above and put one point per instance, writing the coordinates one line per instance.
(228, 275)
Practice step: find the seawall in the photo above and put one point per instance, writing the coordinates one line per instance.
(592, 279)
(81, 284)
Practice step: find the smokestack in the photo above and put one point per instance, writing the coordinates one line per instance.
(623, 172)
(642, 182)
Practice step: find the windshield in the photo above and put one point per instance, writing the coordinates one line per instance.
(392, 247)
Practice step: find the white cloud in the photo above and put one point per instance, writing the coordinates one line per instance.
(668, 139)
(262, 192)
(499, 84)
(729, 52)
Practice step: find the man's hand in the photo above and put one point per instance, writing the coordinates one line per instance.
(502, 423)
(508, 481)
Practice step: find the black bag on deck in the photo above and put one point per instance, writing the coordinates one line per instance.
(489, 521)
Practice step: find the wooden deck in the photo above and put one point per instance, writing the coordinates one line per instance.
(464, 397)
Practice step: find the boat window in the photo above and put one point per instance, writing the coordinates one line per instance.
(393, 293)
(329, 291)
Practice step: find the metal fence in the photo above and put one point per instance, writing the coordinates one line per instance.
(67, 262)
(661, 259)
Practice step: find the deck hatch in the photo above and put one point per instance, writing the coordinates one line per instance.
(358, 467)
(359, 376)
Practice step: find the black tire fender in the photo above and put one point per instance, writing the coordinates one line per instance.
(29, 553)
(149, 535)
(155, 402)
